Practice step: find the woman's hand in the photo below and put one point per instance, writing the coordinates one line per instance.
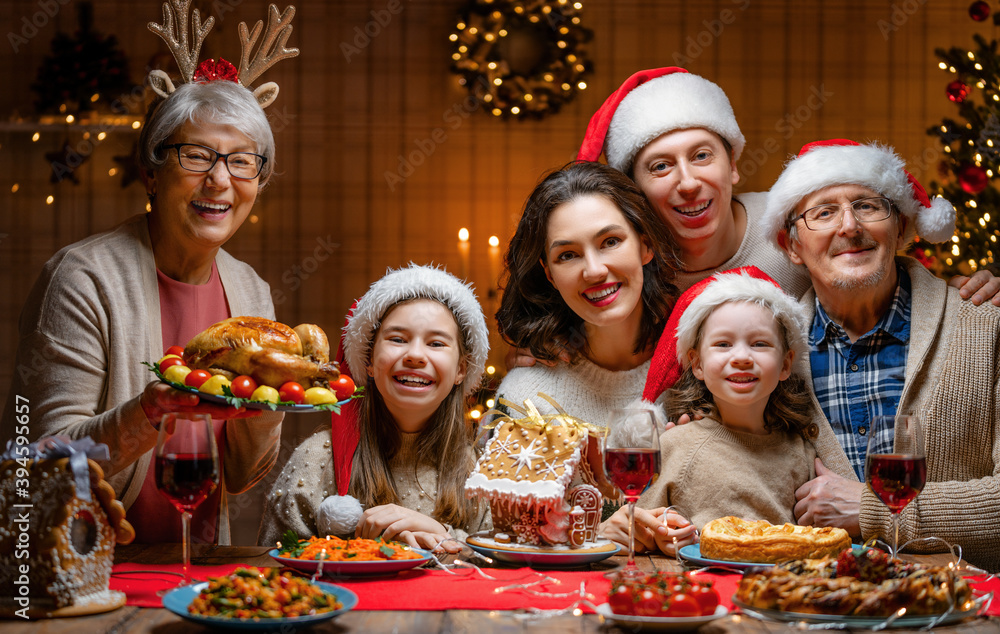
(522, 357)
(391, 521)
(659, 529)
(159, 398)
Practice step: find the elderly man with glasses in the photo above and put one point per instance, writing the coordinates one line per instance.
(888, 338)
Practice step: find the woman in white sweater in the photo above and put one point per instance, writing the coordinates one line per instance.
(590, 270)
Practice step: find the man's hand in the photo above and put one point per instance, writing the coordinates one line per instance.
(654, 530)
(980, 287)
(830, 500)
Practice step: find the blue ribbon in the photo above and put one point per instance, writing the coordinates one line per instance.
(51, 447)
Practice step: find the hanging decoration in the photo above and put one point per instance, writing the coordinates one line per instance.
(979, 10)
(82, 71)
(521, 58)
(973, 179)
(957, 91)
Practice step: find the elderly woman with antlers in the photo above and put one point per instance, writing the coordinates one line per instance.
(105, 304)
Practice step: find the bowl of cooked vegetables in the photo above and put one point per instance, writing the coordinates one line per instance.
(333, 556)
(259, 599)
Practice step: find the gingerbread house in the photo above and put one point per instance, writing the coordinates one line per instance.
(543, 478)
(59, 523)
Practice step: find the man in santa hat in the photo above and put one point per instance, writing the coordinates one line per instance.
(887, 338)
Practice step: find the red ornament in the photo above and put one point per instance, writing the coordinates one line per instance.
(210, 70)
(957, 91)
(973, 179)
(979, 10)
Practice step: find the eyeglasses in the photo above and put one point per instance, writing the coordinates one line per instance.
(198, 158)
(830, 215)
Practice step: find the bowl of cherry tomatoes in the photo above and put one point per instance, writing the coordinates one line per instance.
(663, 600)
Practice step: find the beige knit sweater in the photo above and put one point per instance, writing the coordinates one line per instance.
(91, 319)
(756, 249)
(709, 471)
(953, 383)
(308, 478)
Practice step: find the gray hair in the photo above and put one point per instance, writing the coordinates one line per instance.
(222, 102)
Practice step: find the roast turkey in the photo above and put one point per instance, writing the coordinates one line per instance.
(270, 352)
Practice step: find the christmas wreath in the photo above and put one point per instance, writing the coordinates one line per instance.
(521, 59)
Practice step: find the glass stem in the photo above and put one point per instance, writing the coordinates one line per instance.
(895, 534)
(630, 566)
(186, 545)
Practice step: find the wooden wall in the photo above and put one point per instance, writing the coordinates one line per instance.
(330, 223)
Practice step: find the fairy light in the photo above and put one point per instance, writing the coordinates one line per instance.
(14, 188)
(463, 234)
(491, 370)
(50, 199)
(490, 402)
(475, 414)
(494, 241)
(70, 118)
(36, 136)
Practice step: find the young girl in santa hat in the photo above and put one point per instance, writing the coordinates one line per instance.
(395, 462)
(738, 335)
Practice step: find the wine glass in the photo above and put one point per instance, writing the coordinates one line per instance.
(632, 461)
(187, 468)
(896, 465)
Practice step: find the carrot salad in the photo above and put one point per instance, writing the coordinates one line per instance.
(337, 549)
(250, 593)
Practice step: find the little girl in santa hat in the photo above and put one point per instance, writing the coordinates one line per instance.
(738, 335)
(396, 461)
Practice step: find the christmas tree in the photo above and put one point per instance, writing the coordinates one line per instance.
(971, 154)
(81, 71)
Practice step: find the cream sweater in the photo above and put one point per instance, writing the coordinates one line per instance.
(308, 478)
(585, 390)
(953, 383)
(91, 319)
(759, 250)
(709, 471)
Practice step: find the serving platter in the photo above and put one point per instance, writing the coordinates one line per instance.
(659, 623)
(691, 554)
(353, 568)
(841, 621)
(179, 599)
(536, 557)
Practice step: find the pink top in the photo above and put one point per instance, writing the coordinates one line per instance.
(185, 310)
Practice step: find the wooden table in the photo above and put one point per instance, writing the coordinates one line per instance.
(131, 619)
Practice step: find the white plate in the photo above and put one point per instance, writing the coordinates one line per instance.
(692, 554)
(178, 600)
(659, 623)
(548, 559)
(855, 621)
(353, 568)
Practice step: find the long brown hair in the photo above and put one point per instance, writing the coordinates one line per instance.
(532, 314)
(445, 443)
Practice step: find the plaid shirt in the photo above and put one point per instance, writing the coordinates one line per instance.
(857, 382)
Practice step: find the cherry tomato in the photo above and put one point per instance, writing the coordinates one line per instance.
(706, 596)
(179, 351)
(343, 387)
(243, 386)
(170, 361)
(683, 605)
(197, 377)
(293, 392)
(621, 601)
(649, 604)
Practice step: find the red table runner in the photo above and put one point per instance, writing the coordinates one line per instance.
(439, 590)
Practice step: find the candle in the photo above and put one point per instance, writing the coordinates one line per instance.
(494, 253)
(463, 252)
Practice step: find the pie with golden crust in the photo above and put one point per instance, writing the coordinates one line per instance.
(758, 541)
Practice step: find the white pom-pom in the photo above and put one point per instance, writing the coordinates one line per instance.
(937, 223)
(659, 414)
(631, 432)
(338, 515)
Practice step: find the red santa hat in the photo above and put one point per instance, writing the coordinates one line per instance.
(651, 103)
(339, 512)
(746, 283)
(844, 162)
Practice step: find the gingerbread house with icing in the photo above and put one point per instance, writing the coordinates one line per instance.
(59, 523)
(543, 478)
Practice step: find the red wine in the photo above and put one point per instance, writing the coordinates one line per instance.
(632, 470)
(186, 479)
(896, 478)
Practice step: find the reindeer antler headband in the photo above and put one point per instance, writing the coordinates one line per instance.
(272, 49)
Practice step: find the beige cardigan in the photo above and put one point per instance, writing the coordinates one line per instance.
(953, 382)
(91, 318)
